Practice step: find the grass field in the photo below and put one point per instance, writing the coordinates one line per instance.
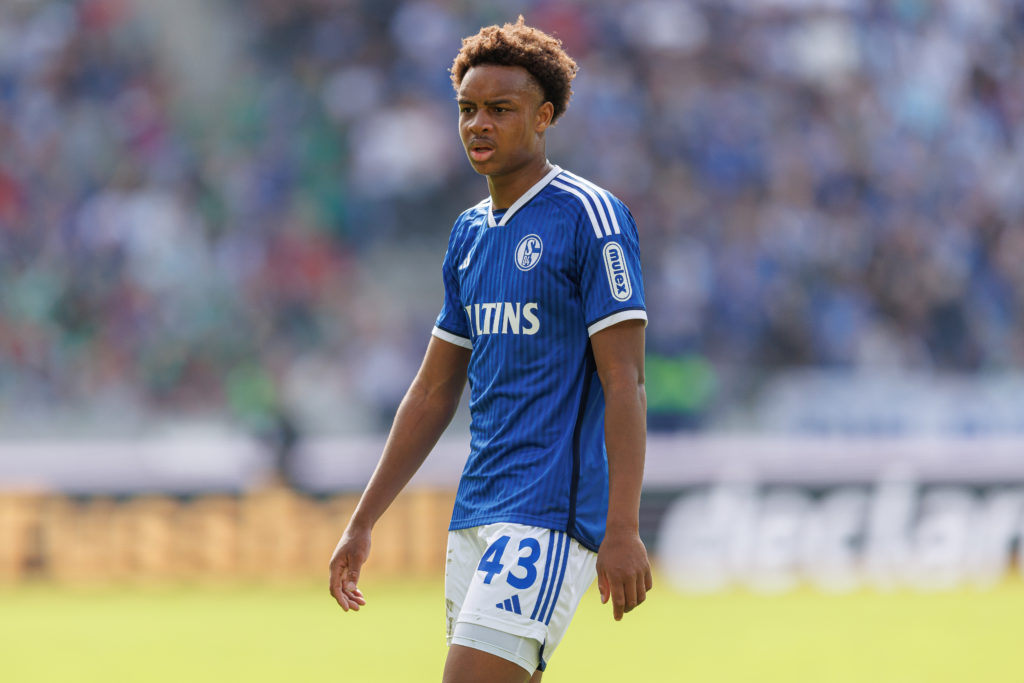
(296, 633)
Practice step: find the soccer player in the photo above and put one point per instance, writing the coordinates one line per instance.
(544, 314)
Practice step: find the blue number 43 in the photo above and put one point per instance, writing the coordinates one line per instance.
(491, 561)
(491, 564)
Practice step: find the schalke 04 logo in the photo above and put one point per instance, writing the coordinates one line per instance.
(528, 252)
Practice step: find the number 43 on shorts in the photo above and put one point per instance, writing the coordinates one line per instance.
(491, 564)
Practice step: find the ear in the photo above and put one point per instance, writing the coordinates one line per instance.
(545, 112)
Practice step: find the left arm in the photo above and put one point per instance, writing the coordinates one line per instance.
(623, 570)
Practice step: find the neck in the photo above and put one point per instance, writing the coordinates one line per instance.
(507, 188)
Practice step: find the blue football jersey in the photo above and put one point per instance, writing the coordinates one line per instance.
(524, 289)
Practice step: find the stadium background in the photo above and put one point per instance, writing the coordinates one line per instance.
(220, 231)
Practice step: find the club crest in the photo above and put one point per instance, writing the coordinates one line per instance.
(528, 252)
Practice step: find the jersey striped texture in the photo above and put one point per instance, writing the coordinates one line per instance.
(525, 289)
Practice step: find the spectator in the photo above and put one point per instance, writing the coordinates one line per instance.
(817, 185)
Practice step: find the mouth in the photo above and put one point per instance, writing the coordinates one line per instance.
(480, 150)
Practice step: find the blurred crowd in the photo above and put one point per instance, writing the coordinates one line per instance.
(238, 213)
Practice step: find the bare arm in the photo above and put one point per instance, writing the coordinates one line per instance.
(425, 412)
(623, 570)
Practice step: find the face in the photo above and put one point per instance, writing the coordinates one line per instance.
(502, 118)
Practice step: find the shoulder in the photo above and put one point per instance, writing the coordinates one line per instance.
(476, 211)
(474, 214)
(595, 206)
(471, 219)
(568, 179)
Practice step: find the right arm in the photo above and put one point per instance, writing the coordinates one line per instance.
(425, 412)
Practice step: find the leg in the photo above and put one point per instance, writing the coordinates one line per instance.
(469, 665)
(478, 654)
(536, 676)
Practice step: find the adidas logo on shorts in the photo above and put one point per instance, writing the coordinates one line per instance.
(510, 605)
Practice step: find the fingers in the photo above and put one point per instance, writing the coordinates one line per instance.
(624, 572)
(352, 592)
(343, 586)
(618, 600)
(625, 593)
(641, 591)
(351, 579)
(335, 585)
(643, 584)
(354, 598)
(349, 599)
(629, 594)
(346, 561)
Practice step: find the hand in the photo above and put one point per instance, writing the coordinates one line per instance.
(623, 571)
(348, 558)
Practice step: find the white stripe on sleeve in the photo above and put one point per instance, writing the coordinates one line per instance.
(452, 338)
(615, 318)
(586, 205)
(604, 197)
(603, 208)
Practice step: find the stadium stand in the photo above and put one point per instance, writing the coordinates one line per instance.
(819, 185)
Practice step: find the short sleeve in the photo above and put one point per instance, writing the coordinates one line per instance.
(611, 283)
(451, 324)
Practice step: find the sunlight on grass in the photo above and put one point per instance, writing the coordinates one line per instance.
(278, 633)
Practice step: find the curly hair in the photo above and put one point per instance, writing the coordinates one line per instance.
(521, 45)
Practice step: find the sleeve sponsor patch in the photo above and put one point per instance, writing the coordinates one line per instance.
(618, 273)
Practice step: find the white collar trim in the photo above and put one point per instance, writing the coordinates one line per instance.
(523, 198)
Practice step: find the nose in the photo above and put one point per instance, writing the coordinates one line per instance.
(478, 122)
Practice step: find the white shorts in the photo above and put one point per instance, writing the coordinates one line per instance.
(511, 589)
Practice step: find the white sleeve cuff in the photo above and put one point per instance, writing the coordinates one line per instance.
(616, 318)
(452, 338)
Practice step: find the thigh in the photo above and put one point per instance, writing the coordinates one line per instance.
(465, 548)
(470, 665)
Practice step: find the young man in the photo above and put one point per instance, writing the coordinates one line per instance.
(544, 313)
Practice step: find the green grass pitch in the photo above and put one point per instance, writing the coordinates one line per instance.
(296, 633)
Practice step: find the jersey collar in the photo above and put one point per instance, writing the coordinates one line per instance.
(523, 198)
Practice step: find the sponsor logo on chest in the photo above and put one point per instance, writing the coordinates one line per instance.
(503, 317)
